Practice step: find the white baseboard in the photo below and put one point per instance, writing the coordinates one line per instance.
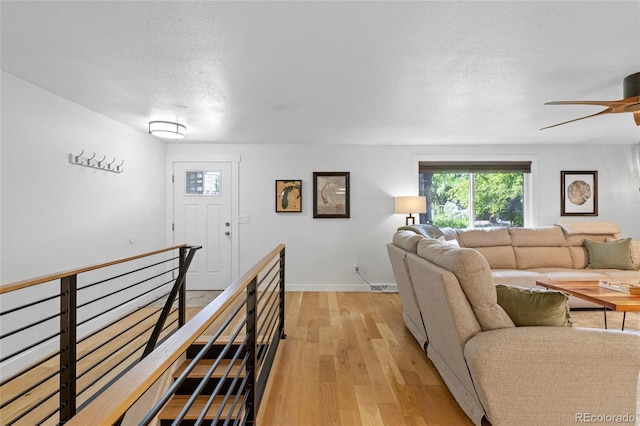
(389, 288)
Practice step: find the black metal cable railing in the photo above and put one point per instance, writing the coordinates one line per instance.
(64, 352)
(114, 337)
(126, 301)
(195, 360)
(219, 362)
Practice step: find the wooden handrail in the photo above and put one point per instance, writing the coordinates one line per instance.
(6, 288)
(114, 402)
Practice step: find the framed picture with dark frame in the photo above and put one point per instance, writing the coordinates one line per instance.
(289, 196)
(331, 195)
(579, 193)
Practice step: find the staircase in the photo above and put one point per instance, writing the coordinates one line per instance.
(226, 380)
(229, 347)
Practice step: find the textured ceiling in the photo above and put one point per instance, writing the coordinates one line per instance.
(431, 72)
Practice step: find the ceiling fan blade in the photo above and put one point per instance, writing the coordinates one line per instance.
(605, 111)
(611, 104)
(636, 118)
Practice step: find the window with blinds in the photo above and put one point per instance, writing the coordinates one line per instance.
(474, 194)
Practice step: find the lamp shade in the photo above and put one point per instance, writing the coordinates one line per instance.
(411, 204)
(167, 129)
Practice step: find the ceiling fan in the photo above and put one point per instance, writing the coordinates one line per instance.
(629, 103)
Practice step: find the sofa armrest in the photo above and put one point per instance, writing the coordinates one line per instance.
(555, 375)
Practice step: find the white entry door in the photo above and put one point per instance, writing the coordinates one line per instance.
(202, 216)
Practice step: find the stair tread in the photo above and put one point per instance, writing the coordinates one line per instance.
(200, 369)
(177, 402)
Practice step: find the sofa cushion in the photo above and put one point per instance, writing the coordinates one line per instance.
(609, 255)
(474, 276)
(484, 237)
(449, 233)
(569, 274)
(544, 236)
(500, 257)
(534, 306)
(452, 243)
(542, 257)
(579, 257)
(519, 277)
(410, 310)
(407, 240)
(588, 227)
(577, 240)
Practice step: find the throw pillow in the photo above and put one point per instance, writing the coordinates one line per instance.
(534, 307)
(455, 243)
(609, 254)
(635, 253)
(634, 248)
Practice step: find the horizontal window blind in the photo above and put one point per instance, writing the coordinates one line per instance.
(474, 167)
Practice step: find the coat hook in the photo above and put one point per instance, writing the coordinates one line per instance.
(108, 166)
(102, 164)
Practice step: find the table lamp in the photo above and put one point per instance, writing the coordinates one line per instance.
(411, 204)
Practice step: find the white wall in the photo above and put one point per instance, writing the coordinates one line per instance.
(56, 215)
(1, 79)
(321, 252)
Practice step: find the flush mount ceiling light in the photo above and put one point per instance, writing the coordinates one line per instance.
(167, 129)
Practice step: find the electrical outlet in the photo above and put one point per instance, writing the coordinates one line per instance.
(356, 268)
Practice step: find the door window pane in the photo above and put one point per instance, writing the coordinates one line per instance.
(202, 183)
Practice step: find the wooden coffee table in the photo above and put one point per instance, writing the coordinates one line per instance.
(592, 292)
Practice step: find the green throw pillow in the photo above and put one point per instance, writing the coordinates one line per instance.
(534, 306)
(609, 255)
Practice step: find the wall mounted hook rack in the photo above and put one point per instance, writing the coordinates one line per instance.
(103, 164)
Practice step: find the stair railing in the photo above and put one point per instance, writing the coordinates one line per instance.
(238, 332)
(59, 349)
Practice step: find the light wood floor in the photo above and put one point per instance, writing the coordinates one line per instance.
(349, 360)
(100, 358)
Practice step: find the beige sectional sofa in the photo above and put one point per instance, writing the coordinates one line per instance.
(522, 256)
(506, 374)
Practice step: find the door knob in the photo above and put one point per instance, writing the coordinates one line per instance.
(227, 233)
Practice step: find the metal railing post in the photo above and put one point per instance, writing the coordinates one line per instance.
(182, 302)
(68, 304)
(281, 287)
(182, 274)
(252, 345)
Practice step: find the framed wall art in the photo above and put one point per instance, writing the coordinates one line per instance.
(289, 196)
(579, 193)
(330, 195)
